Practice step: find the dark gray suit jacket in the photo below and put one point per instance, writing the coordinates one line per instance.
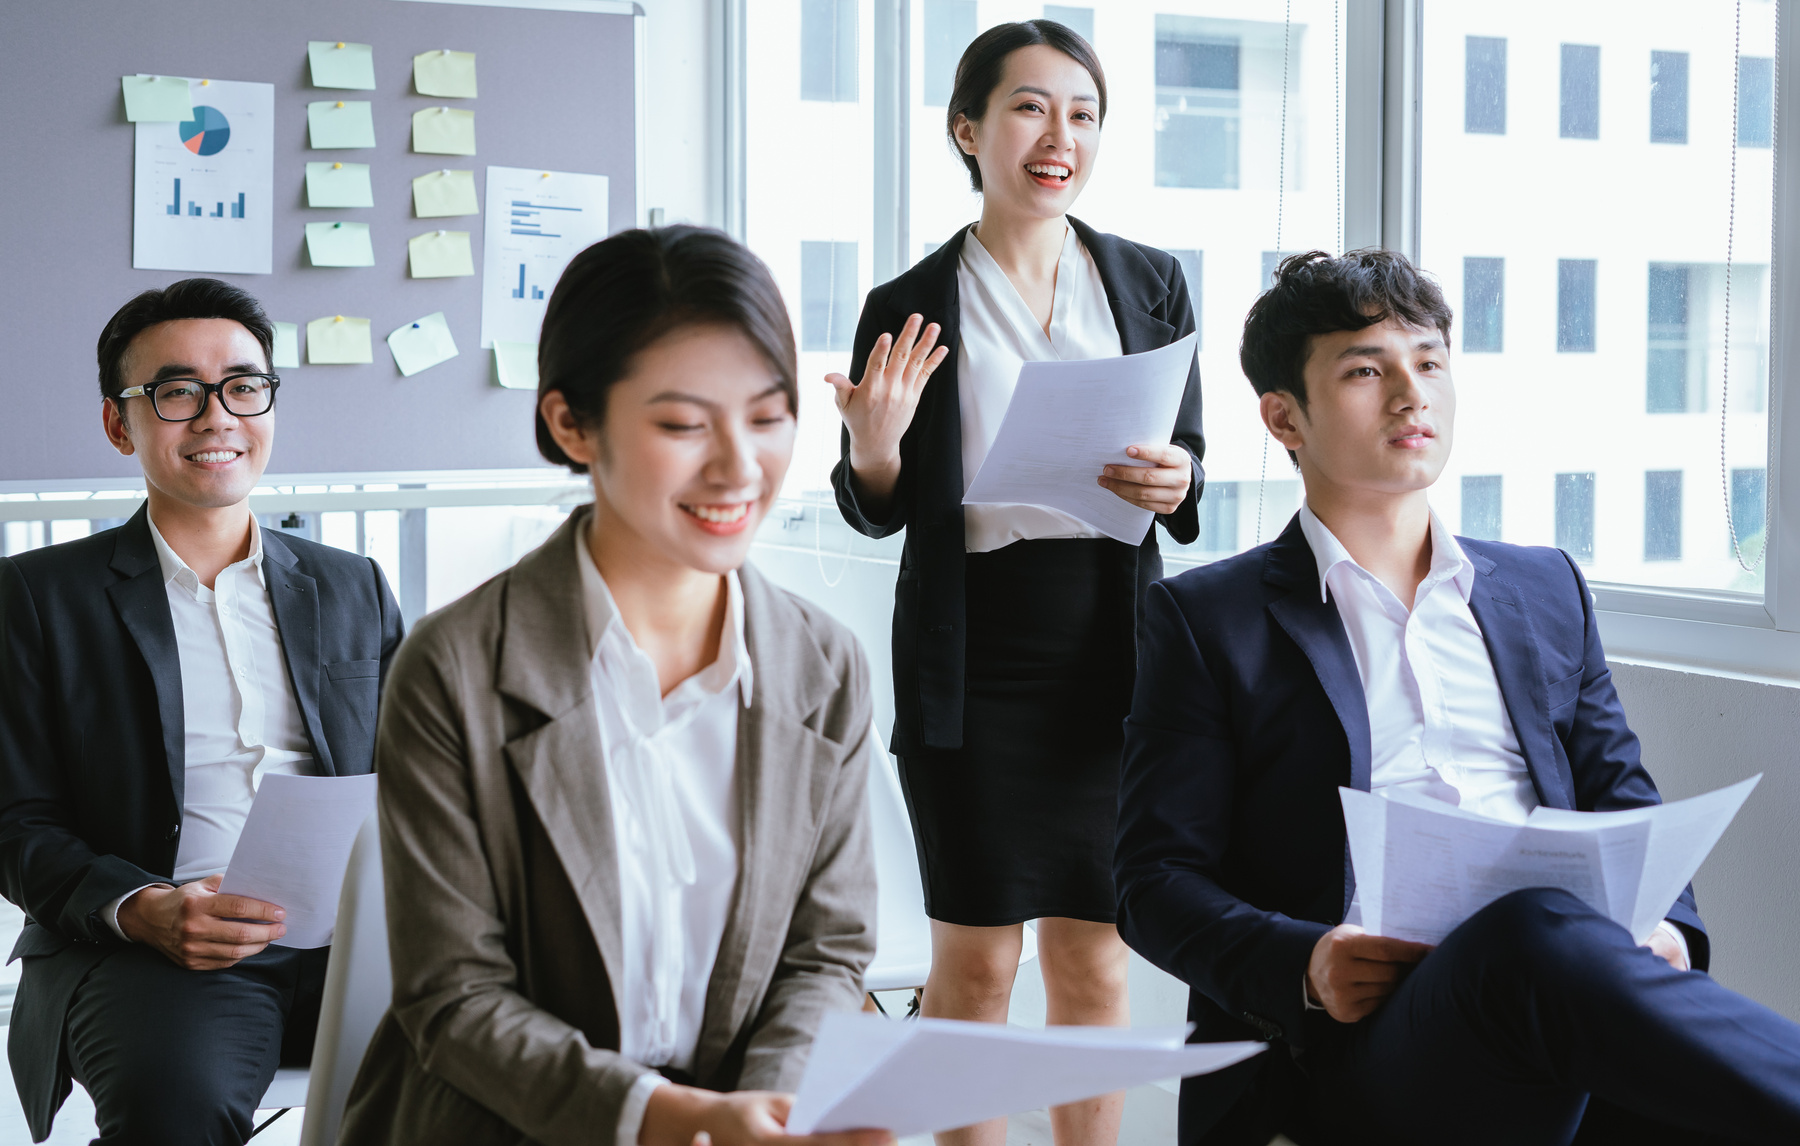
(92, 757)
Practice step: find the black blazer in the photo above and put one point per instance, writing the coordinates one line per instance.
(1149, 300)
(92, 742)
(1249, 715)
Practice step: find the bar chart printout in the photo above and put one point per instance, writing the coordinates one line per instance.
(204, 189)
(536, 222)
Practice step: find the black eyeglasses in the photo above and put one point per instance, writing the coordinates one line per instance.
(184, 399)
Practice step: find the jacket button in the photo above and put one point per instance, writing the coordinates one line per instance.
(174, 830)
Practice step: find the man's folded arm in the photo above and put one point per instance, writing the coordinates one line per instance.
(1175, 810)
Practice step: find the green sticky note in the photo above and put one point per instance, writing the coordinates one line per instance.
(287, 346)
(440, 255)
(423, 344)
(338, 341)
(340, 123)
(445, 73)
(336, 64)
(159, 99)
(516, 364)
(339, 245)
(338, 185)
(446, 192)
(444, 131)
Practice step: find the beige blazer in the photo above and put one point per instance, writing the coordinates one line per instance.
(502, 884)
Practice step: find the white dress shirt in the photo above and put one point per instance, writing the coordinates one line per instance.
(239, 712)
(1438, 723)
(671, 773)
(998, 335)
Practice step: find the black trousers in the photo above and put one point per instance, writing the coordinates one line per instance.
(183, 1057)
(1539, 1021)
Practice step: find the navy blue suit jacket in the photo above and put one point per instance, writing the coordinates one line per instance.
(1249, 715)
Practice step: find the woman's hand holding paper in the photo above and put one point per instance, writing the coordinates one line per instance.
(1160, 485)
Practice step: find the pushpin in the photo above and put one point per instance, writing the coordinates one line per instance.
(443, 109)
(339, 318)
(416, 325)
(340, 43)
(205, 83)
(545, 175)
(445, 171)
(336, 225)
(336, 166)
(446, 52)
(340, 103)
(440, 235)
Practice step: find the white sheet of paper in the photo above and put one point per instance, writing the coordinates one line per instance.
(536, 222)
(922, 1076)
(203, 190)
(1069, 420)
(295, 847)
(1423, 866)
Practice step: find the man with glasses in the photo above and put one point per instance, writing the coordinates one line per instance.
(150, 677)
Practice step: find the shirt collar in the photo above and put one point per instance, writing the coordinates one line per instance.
(733, 663)
(1448, 562)
(175, 569)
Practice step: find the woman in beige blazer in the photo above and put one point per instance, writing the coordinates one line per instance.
(623, 815)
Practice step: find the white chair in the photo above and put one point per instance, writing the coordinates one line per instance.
(358, 987)
(902, 930)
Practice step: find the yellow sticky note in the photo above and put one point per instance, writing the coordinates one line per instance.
(440, 193)
(160, 99)
(287, 346)
(336, 64)
(516, 364)
(340, 123)
(440, 255)
(445, 73)
(423, 344)
(338, 185)
(338, 341)
(339, 245)
(444, 131)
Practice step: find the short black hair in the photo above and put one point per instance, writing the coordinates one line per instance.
(625, 292)
(189, 298)
(984, 60)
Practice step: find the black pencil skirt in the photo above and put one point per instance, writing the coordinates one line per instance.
(1018, 823)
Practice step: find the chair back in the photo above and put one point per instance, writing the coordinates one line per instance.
(358, 988)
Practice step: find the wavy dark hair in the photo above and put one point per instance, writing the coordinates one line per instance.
(625, 292)
(984, 60)
(189, 298)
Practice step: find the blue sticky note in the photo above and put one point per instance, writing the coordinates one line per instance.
(339, 245)
(340, 123)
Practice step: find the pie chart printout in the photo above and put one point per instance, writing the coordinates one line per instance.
(207, 133)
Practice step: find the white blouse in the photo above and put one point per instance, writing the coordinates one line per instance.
(999, 335)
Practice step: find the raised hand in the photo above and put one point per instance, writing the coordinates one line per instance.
(878, 410)
(196, 927)
(1159, 485)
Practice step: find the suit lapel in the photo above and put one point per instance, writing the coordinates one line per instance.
(142, 602)
(1513, 649)
(1133, 288)
(294, 599)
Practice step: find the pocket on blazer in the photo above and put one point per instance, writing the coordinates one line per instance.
(1566, 691)
(350, 670)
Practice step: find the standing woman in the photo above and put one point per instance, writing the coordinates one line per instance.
(1014, 625)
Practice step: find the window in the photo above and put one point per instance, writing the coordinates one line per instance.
(1484, 85)
(1749, 491)
(1219, 518)
(1668, 97)
(1080, 20)
(828, 50)
(1484, 301)
(949, 26)
(1197, 105)
(828, 295)
(1662, 515)
(1192, 262)
(1575, 516)
(1270, 261)
(1580, 91)
(1674, 366)
(1756, 101)
(1575, 305)
(1481, 507)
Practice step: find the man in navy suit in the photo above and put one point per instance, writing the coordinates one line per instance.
(1368, 647)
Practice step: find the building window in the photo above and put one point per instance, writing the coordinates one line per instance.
(949, 26)
(1271, 260)
(1668, 97)
(1674, 363)
(1219, 517)
(828, 50)
(1481, 507)
(1192, 263)
(1756, 101)
(1079, 20)
(1575, 305)
(1580, 91)
(1484, 85)
(1575, 515)
(1198, 102)
(1484, 302)
(1748, 489)
(1662, 515)
(827, 295)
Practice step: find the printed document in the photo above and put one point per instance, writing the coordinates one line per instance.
(1423, 866)
(295, 847)
(1069, 420)
(926, 1075)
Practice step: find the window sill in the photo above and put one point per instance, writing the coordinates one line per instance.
(1739, 650)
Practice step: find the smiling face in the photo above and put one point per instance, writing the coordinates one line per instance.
(1038, 139)
(1379, 413)
(696, 440)
(215, 460)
